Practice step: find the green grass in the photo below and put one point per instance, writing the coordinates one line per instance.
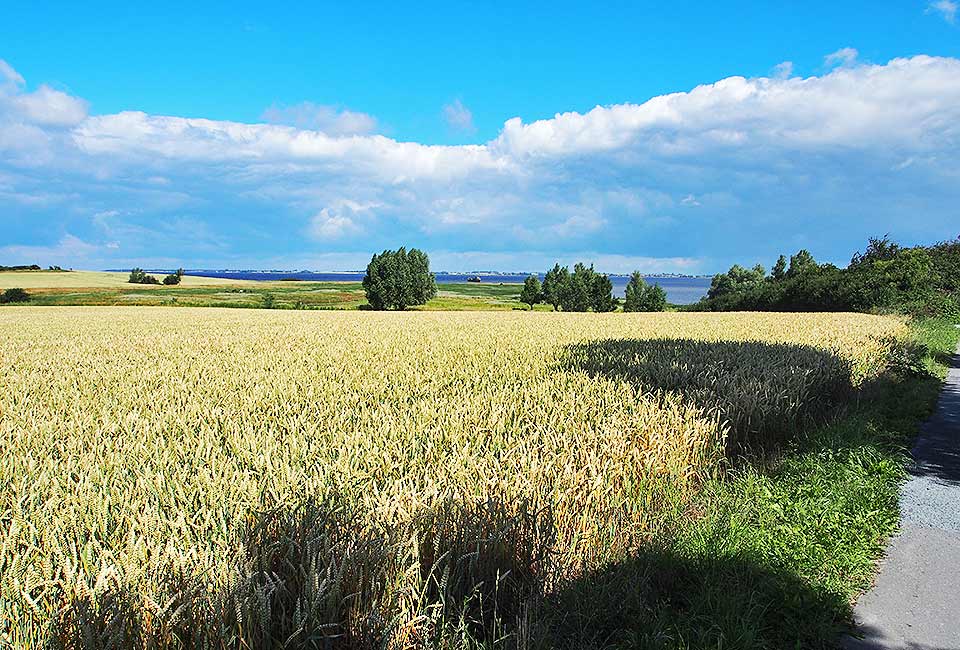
(107, 289)
(504, 291)
(286, 295)
(774, 554)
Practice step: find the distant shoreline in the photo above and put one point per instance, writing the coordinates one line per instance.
(292, 272)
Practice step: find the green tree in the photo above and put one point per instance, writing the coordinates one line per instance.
(555, 285)
(801, 263)
(532, 291)
(173, 278)
(737, 280)
(641, 296)
(656, 298)
(399, 279)
(602, 294)
(780, 268)
(879, 249)
(633, 297)
(577, 296)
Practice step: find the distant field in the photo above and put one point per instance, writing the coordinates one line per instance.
(91, 288)
(91, 279)
(244, 478)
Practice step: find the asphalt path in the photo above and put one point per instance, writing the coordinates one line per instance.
(915, 603)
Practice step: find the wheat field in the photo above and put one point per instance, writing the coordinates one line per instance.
(99, 279)
(174, 477)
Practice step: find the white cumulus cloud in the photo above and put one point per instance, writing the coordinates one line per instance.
(44, 106)
(343, 219)
(783, 158)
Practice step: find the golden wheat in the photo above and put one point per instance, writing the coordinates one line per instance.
(139, 443)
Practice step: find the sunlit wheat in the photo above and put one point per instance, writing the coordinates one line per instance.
(151, 458)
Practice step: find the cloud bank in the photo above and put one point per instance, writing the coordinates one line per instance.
(729, 171)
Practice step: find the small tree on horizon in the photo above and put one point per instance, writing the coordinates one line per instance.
(656, 298)
(602, 294)
(801, 262)
(555, 284)
(399, 279)
(641, 296)
(579, 288)
(532, 292)
(780, 268)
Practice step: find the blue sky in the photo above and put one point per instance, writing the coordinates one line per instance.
(269, 135)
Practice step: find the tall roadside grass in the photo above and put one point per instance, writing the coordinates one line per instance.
(262, 479)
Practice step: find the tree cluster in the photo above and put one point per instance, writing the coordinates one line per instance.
(921, 280)
(584, 289)
(641, 296)
(174, 278)
(399, 279)
(14, 295)
(139, 276)
(30, 267)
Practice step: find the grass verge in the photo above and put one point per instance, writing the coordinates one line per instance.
(778, 554)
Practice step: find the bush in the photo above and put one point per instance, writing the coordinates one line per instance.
(14, 295)
(399, 279)
(886, 277)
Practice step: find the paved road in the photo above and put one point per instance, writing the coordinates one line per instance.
(915, 603)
